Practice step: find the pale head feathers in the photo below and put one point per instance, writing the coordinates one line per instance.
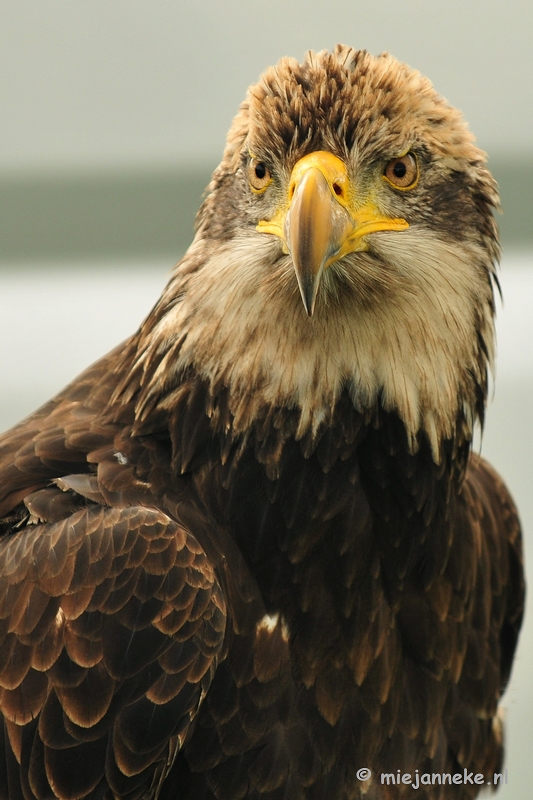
(408, 323)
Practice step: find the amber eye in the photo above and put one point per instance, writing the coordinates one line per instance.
(258, 175)
(402, 172)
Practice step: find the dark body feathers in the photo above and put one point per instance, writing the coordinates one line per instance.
(203, 597)
(398, 628)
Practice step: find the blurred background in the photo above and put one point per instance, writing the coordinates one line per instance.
(114, 115)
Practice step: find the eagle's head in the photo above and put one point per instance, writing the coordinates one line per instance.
(347, 243)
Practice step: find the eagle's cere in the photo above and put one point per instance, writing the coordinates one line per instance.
(250, 552)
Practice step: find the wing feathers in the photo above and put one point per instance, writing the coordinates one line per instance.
(116, 622)
(23, 703)
(98, 685)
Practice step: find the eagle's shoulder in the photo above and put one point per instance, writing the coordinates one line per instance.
(57, 439)
(492, 508)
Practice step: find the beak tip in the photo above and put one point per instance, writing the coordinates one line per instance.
(309, 303)
(308, 286)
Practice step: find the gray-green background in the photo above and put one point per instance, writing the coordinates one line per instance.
(114, 113)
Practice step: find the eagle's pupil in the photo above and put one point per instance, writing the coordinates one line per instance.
(399, 169)
(260, 171)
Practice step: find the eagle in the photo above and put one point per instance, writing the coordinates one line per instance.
(250, 553)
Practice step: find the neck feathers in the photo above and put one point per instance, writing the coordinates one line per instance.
(413, 336)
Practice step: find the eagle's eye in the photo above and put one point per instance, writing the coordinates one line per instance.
(258, 175)
(402, 173)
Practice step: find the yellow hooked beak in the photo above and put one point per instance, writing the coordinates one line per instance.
(321, 221)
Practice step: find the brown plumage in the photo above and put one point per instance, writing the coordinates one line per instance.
(250, 552)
